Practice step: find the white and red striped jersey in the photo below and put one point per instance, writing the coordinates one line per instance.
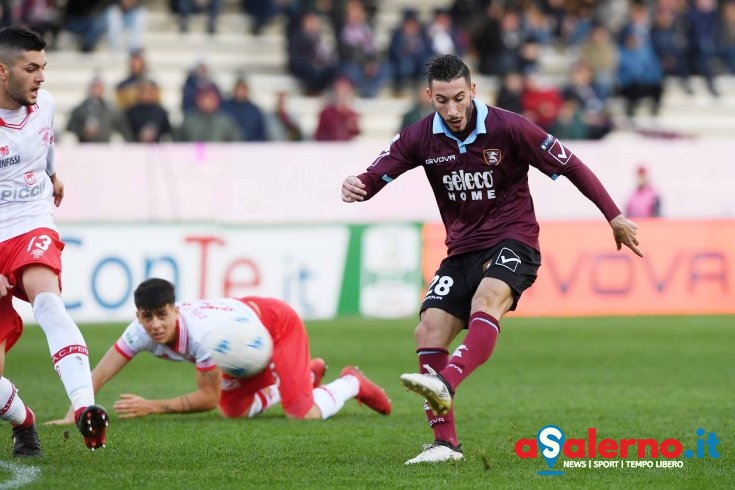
(26, 152)
(196, 319)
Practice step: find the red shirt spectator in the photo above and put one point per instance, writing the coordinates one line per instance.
(338, 121)
(541, 103)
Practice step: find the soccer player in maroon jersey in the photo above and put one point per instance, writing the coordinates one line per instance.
(476, 158)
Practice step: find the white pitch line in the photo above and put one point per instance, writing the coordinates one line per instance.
(21, 475)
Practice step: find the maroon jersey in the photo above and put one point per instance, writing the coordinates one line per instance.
(481, 183)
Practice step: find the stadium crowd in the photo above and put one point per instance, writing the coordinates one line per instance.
(621, 50)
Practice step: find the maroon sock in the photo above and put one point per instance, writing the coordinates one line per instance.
(29, 420)
(442, 425)
(78, 413)
(476, 348)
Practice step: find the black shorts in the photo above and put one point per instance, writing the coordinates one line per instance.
(452, 287)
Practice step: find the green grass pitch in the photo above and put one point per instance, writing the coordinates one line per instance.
(648, 377)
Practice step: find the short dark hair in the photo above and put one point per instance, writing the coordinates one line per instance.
(446, 67)
(154, 293)
(14, 38)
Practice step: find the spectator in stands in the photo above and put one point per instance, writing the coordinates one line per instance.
(669, 37)
(637, 24)
(704, 22)
(444, 36)
(281, 123)
(261, 12)
(535, 25)
(198, 78)
(409, 50)
(338, 120)
(541, 100)
(639, 75)
(510, 94)
(590, 105)
(556, 11)
(147, 118)
(311, 57)
(247, 114)
(126, 91)
(208, 122)
(645, 201)
(86, 19)
(465, 13)
(569, 123)
(43, 17)
(126, 15)
(600, 53)
(338, 12)
(6, 13)
(497, 41)
(95, 119)
(420, 108)
(576, 23)
(185, 8)
(359, 57)
(726, 41)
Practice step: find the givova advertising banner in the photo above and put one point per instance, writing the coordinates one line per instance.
(689, 269)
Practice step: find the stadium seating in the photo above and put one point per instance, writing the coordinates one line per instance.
(233, 50)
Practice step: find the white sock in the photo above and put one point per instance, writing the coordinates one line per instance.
(330, 398)
(12, 407)
(264, 399)
(67, 347)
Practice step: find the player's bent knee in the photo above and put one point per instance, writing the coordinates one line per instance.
(314, 413)
(426, 336)
(228, 413)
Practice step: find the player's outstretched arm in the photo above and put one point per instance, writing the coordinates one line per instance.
(353, 190)
(625, 233)
(203, 399)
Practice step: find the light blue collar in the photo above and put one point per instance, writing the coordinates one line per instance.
(439, 127)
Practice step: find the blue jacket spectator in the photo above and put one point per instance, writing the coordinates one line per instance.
(410, 49)
(704, 24)
(311, 58)
(639, 75)
(670, 42)
(197, 79)
(86, 19)
(359, 57)
(246, 113)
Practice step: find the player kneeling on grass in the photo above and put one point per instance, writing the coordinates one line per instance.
(178, 332)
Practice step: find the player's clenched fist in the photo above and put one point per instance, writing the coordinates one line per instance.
(353, 189)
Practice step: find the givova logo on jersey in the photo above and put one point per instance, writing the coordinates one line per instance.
(472, 186)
